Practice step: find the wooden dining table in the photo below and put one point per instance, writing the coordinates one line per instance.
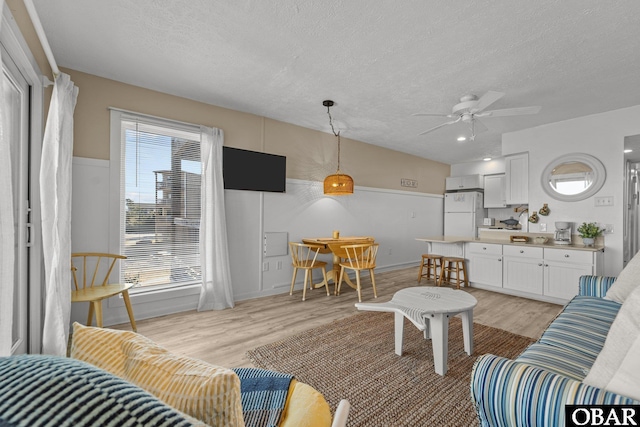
(333, 245)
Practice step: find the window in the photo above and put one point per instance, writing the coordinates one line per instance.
(159, 202)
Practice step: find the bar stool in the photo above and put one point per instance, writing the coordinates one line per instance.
(453, 265)
(432, 262)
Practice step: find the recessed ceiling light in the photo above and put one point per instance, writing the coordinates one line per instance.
(486, 159)
(462, 138)
(628, 150)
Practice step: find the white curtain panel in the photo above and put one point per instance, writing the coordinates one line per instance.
(7, 237)
(55, 190)
(216, 292)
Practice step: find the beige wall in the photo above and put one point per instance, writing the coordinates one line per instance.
(20, 14)
(311, 154)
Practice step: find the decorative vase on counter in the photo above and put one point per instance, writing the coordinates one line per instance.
(533, 218)
(588, 241)
(544, 210)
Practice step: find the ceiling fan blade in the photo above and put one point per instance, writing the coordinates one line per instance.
(511, 112)
(441, 125)
(487, 99)
(434, 115)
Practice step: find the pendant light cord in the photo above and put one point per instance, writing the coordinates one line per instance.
(337, 134)
(337, 184)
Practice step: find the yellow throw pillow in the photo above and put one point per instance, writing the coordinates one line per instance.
(207, 392)
(101, 347)
(306, 407)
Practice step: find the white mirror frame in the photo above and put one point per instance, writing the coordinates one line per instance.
(596, 165)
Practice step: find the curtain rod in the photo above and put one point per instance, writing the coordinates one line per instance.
(42, 36)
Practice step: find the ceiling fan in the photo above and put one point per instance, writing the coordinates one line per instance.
(471, 108)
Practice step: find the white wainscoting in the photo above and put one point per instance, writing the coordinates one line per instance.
(394, 218)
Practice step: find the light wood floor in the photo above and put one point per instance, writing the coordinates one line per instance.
(223, 337)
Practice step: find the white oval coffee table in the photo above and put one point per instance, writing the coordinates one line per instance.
(429, 309)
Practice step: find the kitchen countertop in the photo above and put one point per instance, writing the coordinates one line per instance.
(549, 244)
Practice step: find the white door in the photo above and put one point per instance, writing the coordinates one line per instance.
(15, 99)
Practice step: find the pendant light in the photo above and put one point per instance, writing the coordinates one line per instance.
(337, 184)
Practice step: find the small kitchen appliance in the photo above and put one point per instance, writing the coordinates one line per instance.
(489, 221)
(562, 235)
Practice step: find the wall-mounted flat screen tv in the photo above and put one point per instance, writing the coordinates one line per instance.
(252, 170)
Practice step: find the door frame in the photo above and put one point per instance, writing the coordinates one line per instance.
(18, 50)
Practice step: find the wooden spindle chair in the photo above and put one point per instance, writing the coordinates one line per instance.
(98, 287)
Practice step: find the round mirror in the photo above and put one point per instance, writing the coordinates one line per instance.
(573, 177)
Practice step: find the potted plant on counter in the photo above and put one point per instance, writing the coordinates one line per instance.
(589, 231)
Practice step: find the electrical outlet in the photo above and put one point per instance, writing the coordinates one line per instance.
(608, 228)
(543, 227)
(265, 266)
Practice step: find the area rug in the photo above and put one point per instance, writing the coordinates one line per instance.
(353, 358)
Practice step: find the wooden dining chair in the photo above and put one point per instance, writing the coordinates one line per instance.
(92, 285)
(304, 256)
(359, 257)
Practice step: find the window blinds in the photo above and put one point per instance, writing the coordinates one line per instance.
(160, 202)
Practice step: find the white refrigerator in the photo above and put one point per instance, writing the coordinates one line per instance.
(463, 213)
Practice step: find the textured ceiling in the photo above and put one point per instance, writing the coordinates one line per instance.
(380, 61)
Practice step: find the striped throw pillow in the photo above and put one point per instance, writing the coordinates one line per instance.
(207, 392)
(43, 391)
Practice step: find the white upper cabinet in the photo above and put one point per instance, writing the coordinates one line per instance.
(517, 179)
(494, 191)
(466, 182)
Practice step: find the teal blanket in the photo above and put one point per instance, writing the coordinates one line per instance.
(263, 395)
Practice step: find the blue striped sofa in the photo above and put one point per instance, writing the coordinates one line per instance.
(533, 389)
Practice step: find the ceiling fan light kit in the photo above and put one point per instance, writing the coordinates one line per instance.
(337, 184)
(471, 108)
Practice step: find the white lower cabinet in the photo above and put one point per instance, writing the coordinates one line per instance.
(563, 268)
(549, 274)
(523, 269)
(484, 263)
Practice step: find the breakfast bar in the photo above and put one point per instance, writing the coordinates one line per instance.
(445, 245)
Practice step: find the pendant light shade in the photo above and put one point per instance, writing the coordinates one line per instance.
(337, 184)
